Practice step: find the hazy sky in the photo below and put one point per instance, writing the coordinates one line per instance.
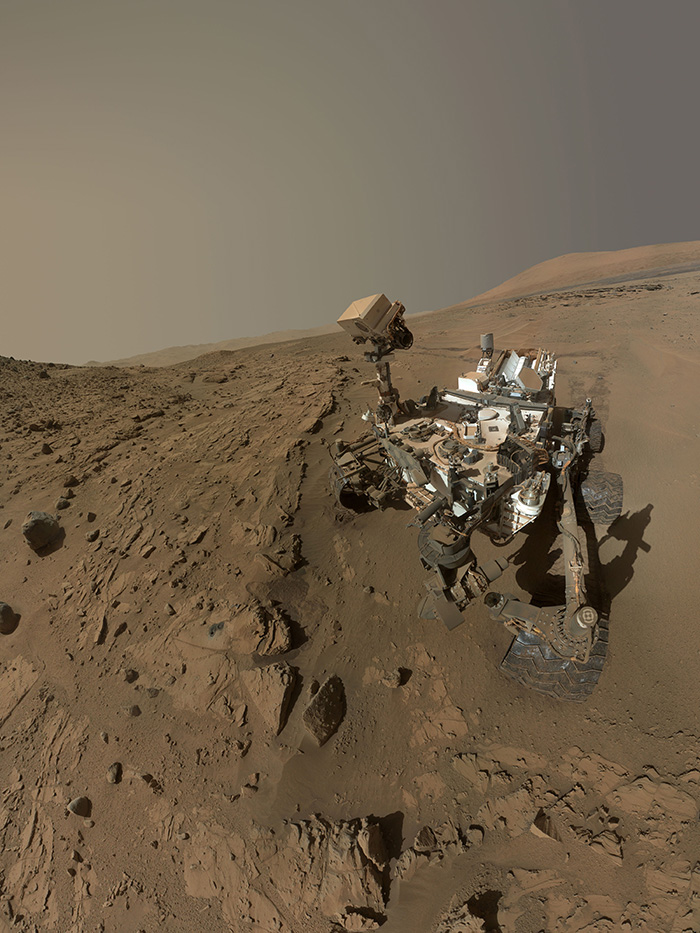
(180, 172)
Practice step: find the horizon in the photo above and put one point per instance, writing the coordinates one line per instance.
(178, 175)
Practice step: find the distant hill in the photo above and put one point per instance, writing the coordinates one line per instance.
(171, 355)
(579, 269)
(568, 271)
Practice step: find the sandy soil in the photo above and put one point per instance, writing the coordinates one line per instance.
(206, 586)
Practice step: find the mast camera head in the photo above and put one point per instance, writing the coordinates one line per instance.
(377, 321)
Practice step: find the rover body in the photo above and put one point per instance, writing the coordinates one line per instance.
(486, 455)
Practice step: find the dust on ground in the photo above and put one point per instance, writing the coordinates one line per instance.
(225, 676)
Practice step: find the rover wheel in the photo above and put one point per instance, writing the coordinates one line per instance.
(532, 663)
(347, 497)
(600, 498)
(596, 439)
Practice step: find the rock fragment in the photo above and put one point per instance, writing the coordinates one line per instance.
(261, 630)
(114, 773)
(326, 710)
(70, 480)
(61, 504)
(271, 689)
(81, 806)
(392, 679)
(8, 619)
(40, 529)
(325, 866)
(544, 827)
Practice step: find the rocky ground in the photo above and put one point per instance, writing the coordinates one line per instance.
(220, 711)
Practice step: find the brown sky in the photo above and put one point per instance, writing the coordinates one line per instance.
(184, 172)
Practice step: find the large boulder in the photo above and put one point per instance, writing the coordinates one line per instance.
(40, 529)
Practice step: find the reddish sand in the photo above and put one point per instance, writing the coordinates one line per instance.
(207, 583)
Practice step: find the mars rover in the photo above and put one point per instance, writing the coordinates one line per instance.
(484, 456)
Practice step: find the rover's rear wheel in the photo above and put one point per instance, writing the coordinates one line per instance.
(532, 663)
(600, 498)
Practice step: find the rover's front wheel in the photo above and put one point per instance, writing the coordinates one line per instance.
(531, 662)
(600, 497)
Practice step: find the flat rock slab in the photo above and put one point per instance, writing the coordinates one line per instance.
(40, 529)
(271, 689)
(326, 710)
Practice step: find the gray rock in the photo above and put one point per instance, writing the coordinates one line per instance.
(81, 806)
(62, 504)
(46, 449)
(70, 480)
(134, 710)
(114, 773)
(8, 619)
(326, 710)
(130, 675)
(92, 535)
(40, 529)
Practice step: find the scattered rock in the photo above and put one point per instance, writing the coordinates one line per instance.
(46, 448)
(544, 827)
(92, 535)
(392, 679)
(61, 504)
(353, 920)
(260, 630)
(40, 529)
(271, 689)
(70, 480)
(196, 536)
(114, 773)
(130, 675)
(81, 806)
(460, 920)
(326, 710)
(609, 843)
(8, 619)
(425, 840)
(331, 867)
(134, 710)
(91, 516)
